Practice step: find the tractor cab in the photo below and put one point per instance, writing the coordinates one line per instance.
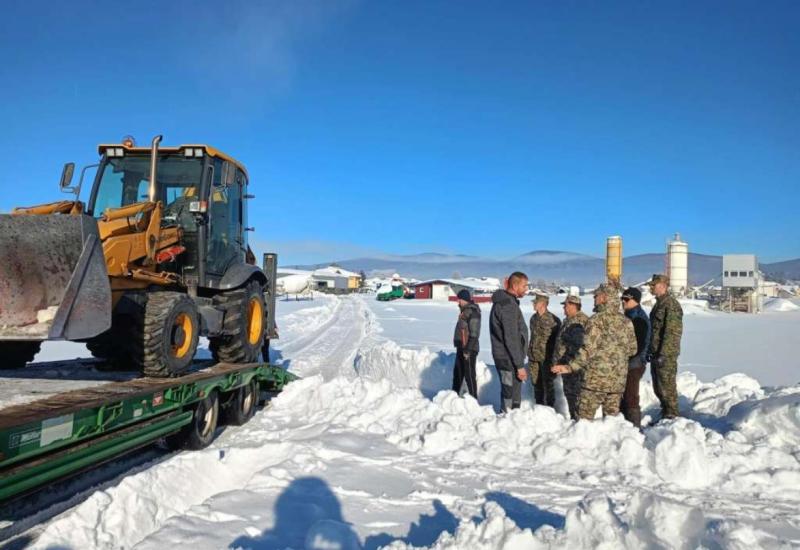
(201, 191)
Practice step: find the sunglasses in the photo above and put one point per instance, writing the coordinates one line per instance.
(626, 298)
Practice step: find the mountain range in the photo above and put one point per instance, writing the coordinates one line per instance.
(547, 266)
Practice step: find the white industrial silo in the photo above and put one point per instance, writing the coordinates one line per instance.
(678, 265)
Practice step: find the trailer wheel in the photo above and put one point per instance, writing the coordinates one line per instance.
(198, 433)
(243, 326)
(15, 355)
(168, 341)
(242, 404)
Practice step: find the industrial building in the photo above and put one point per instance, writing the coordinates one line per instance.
(335, 279)
(741, 283)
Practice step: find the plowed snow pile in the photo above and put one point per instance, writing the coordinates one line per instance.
(371, 449)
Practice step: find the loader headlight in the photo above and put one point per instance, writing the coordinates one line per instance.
(115, 152)
(190, 152)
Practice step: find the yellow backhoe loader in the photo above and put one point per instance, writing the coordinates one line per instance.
(157, 257)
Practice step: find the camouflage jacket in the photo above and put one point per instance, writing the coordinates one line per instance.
(666, 320)
(544, 329)
(570, 338)
(608, 344)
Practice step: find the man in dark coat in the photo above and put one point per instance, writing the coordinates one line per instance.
(636, 364)
(509, 336)
(465, 339)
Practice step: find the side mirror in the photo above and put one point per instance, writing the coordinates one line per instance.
(66, 176)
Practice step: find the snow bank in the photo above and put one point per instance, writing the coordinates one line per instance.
(124, 514)
(780, 304)
(644, 521)
(694, 307)
(773, 421)
(681, 454)
(422, 369)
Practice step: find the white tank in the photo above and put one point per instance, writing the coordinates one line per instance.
(293, 284)
(678, 265)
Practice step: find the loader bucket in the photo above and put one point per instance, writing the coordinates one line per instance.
(53, 279)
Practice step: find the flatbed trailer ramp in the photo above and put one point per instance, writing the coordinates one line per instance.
(65, 433)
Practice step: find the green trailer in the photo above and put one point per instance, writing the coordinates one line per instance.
(66, 433)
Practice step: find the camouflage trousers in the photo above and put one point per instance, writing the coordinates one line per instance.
(591, 399)
(542, 381)
(572, 391)
(664, 372)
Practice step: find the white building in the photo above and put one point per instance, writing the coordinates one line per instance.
(335, 278)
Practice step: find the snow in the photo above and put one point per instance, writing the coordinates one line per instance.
(780, 304)
(371, 449)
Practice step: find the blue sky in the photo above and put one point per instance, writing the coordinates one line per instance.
(405, 127)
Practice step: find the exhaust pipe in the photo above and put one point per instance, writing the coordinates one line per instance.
(154, 166)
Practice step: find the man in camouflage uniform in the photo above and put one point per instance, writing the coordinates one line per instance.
(608, 344)
(568, 341)
(544, 328)
(666, 320)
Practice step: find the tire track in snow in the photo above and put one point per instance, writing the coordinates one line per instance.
(330, 350)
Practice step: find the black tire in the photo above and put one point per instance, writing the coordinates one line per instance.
(198, 433)
(160, 345)
(116, 345)
(239, 344)
(242, 405)
(15, 355)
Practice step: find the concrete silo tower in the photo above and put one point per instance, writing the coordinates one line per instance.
(678, 265)
(614, 260)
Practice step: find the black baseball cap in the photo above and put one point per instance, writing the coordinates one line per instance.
(633, 293)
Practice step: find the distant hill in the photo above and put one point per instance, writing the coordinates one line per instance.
(546, 265)
(780, 271)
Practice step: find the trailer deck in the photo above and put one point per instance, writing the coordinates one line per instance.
(50, 436)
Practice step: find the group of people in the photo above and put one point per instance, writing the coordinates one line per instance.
(600, 359)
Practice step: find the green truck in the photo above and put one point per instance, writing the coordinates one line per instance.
(386, 295)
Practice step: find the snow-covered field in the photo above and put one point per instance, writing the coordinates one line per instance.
(370, 449)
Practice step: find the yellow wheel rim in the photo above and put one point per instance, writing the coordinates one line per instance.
(184, 322)
(255, 321)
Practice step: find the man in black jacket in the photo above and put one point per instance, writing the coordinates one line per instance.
(465, 339)
(636, 364)
(509, 336)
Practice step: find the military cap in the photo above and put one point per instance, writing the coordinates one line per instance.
(571, 299)
(658, 278)
(604, 288)
(541, 297)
